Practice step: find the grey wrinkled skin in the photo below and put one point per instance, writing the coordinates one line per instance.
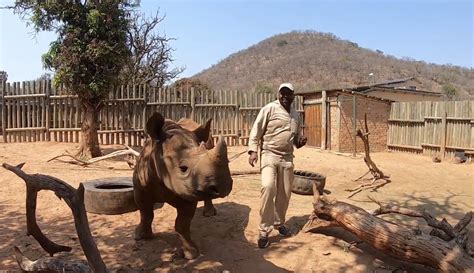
(176, 167)
(189, 124)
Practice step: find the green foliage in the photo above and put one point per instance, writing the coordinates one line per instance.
(356, 45)
(282, 43)
(187, 83)
(262, 88)
(91, 46)
(3, 76)
(449, 90)
(45, 76)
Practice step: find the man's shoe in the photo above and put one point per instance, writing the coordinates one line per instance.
(284, 231)
(263, 241)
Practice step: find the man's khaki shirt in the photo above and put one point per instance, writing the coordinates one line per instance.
(275, 130)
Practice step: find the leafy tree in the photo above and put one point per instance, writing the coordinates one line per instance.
(262, 88)
(450, 91)
(199, 87)
(3, 76)
(186, 83)
(151, 53)
(282, 43)
(45, 76)
(88, 54)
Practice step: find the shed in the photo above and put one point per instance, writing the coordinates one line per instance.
(399, 90)
(332, 117)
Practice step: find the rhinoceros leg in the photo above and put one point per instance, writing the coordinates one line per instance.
(182, 226)
(145, 204)
(209, 209)
(143, 231)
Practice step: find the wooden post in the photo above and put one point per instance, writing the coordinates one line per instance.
(193, 104)
(47, 122)
(4, 110)
(443, 133)
(354, 123)
(237, 117)
(324, 120)
(145, 113)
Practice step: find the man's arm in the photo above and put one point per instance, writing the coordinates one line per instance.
(299, 140)
(256, 134)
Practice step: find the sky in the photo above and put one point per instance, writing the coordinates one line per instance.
(207, 31)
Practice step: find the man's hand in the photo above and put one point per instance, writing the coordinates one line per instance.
(253, 158)
(302, 141)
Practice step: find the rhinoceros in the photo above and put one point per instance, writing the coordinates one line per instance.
(191, 125)
(176, 168)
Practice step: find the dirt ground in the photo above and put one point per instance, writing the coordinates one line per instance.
(228, 241)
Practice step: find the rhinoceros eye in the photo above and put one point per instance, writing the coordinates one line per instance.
(183, 168)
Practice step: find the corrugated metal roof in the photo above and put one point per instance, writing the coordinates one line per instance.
(366, 88)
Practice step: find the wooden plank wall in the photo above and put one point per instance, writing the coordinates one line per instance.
(313, 127)
(36, 111)
(24, 112)
(432, 127)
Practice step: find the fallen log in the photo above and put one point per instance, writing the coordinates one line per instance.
(49, 264)
(244, 172)
(74, 199)
(390, 238)
(78, 161)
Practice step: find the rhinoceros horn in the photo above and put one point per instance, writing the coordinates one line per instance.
(219, 152)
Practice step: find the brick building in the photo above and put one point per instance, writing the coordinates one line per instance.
(329, 120)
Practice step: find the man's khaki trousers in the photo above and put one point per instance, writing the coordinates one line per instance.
(277, 180)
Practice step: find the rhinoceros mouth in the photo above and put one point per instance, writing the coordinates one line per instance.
(208, 192)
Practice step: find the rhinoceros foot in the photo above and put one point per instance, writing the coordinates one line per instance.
(189, 253)
(143, 233)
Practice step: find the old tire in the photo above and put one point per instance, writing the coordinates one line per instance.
(111, 195)
(303, 182)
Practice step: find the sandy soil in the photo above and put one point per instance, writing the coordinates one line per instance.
(228, 241)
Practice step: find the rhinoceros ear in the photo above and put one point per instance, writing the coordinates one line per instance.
(203, 131)
(154, 125)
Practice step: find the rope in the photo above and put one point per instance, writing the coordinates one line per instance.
(234, 157)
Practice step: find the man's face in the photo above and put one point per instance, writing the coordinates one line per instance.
(286, 97)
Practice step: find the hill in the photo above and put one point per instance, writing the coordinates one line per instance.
(313, 61)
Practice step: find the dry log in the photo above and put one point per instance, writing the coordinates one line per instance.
(377, 174)
(374, 185)
(74, 199)
(50, 264)
(77, 161)
(441, 228)
(32, 226)
(392, 239)
(244, 172)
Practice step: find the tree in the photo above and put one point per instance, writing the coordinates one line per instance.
(151, 53)
(262, 88)
(199, 88)
(45, 76)
(3, 76)
(450, 91)
(187, 83)
(88, 54)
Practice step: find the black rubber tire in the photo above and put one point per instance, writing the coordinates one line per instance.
(303, 182)
(110, 195)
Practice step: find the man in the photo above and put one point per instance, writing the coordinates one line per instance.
(275, 131)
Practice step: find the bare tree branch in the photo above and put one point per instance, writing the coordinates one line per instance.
(151, 53)
(74, 199)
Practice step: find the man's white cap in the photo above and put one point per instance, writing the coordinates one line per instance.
(287, 85)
